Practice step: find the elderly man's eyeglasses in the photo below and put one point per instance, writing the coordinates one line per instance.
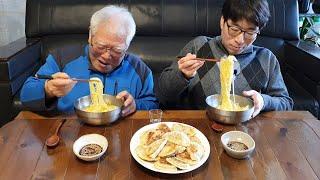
(235, 31)
(114, 51)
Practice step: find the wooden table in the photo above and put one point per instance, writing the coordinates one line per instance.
(287, 147)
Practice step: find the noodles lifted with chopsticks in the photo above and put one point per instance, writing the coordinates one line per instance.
(226, 75)
(97, 102)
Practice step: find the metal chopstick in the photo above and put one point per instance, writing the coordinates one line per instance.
(43, 76)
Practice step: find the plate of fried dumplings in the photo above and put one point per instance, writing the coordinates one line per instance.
(169, 147)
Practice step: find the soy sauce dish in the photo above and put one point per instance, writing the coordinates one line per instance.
(90, 147)
(237, 144)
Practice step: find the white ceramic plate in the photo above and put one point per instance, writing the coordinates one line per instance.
(135, 141)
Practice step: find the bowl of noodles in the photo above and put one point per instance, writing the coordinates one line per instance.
(227, 107)
(103, 116)
(238, 112)
(98, 108)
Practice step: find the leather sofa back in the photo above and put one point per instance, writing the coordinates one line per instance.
(153, 18)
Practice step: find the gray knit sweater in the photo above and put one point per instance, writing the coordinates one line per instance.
(257, 69)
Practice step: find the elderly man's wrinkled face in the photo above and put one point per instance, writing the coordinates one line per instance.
(106, 50)
(237, 36)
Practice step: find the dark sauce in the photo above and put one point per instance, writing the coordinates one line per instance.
(237, 146)
(90, 150)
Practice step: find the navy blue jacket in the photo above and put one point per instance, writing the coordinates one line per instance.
(131, 75)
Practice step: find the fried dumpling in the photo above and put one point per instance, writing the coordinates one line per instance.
(150, 136)
(196, 151)
(185, 157)
(195, 139)
(183, 128)
(140, 150)
(154, 148)
(178, 138)
(170, 149)
(180, 149)
(163, 128)
(144, 138)
(177, 163)
(162, 164)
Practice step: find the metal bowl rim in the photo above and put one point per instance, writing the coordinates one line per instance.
(224, 111)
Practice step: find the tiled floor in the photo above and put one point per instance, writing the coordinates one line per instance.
(12, 20)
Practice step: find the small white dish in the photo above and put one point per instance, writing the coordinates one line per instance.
(241, 137)
(90, 139)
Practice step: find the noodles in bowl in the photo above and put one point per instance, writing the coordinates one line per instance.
(98, 104)
(98, 109)
(226, 76)
(225, 107)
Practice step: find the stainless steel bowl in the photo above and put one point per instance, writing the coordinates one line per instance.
(229, 117)
(95, 118)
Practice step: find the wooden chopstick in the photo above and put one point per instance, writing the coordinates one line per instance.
(202, 59)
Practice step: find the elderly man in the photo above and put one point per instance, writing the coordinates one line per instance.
(111, 31)
(258, 71)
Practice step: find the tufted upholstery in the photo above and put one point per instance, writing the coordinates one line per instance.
(163, 28)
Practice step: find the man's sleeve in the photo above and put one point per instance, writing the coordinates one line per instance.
(276, 97)
(172, 83)
(33, 93)
(147, 99)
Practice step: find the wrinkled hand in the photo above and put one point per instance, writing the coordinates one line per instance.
(189, 66)
(129, 103)
(59, 86)
(257, 101)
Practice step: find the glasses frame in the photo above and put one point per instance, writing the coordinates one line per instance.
(111, 51)
(249, 35)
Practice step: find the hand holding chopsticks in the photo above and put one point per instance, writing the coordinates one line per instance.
(189, 65)
(58, 84)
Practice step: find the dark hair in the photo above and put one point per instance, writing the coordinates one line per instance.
(254, 11)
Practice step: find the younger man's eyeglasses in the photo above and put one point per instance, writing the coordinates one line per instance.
(236, 30)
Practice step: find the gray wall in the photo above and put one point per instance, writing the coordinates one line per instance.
(12, 20)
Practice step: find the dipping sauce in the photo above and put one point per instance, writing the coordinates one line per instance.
(237, 146)
(90, 150)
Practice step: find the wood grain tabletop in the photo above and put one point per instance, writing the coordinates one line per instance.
(287, 147)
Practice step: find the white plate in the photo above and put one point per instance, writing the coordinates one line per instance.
(135, 141)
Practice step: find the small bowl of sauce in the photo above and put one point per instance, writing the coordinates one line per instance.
(90, 150)
(90, 147)
(237, 144)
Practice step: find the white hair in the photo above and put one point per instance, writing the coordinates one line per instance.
(124, 26)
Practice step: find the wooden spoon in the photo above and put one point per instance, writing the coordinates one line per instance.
(54, 139)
